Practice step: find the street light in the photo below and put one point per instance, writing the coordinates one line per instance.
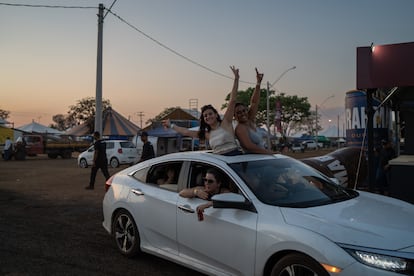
(267, 102)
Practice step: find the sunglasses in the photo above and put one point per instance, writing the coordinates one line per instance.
(209, 181)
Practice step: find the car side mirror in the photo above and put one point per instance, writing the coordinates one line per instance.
(232, 201)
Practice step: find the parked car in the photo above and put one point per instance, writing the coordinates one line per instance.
(117, 151)
(297, 147)
(310, 145)
(281, 218)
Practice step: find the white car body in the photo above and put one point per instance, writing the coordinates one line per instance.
(297, 147)
(247, 234)
(117, 151)
(310, 145)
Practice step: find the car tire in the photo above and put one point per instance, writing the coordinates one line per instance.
(298, 264)
(114, 162)
(125, 233)
(83, 163)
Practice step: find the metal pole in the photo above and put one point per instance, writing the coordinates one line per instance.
(98, 97)
(316, 126)
(267, 115)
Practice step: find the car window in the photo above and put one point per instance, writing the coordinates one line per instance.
(287, 182)
(165, 175)
(198, 171)
(141, 175)
(127, 144)
(109, 145)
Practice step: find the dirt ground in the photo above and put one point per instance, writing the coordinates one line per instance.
(51, 225)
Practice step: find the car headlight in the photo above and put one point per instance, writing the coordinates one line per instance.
(382, 261)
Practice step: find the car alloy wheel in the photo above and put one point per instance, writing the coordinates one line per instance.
(298, 264)
(126, 234)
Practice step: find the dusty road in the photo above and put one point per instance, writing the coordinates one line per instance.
(51, 225)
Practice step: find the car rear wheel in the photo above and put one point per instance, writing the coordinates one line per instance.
(126, 234)
(83, 164)
(298, 264)
(114, 162)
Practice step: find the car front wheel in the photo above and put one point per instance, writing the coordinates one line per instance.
(298, 264)
(126, 234)
(114, 163)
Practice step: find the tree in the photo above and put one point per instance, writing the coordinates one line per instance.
(61, 122)
(4, 114)
(294, 109)
(83, 112)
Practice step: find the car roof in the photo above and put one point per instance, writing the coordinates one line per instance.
(209, 156)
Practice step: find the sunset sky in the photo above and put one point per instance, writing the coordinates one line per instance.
(48, 55)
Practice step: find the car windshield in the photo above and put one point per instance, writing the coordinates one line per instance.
(290, 183)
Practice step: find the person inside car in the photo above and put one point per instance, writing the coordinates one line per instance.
(168, 177)
(213, 184)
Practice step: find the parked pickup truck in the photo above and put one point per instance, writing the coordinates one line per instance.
(53, 146)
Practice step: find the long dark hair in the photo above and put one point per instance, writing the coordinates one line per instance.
(203, 125)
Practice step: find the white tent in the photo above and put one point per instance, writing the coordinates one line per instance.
(34, 127)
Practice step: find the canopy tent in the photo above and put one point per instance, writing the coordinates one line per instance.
(115, 126)
(34, 127)
(163, 132)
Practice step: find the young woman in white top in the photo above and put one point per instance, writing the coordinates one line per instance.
(218, 132)
(246, 129)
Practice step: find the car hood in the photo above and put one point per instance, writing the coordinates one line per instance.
(368, 220)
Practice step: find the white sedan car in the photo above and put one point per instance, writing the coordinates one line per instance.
(281, 218)
(117, 151)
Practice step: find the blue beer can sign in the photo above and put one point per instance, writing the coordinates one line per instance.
(356, 120)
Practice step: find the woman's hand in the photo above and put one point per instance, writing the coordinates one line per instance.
(200, 193)
(259, 76)
(166, 123)
(202, 207)
(235, 72)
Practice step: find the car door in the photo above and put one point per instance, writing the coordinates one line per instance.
(155, 210)
(223, 242)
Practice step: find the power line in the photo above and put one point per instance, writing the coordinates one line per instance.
(174, 51)
(46, 6)
(136, 29)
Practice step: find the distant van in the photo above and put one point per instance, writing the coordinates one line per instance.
(164, 145)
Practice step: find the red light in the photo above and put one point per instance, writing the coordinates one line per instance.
(108, 183)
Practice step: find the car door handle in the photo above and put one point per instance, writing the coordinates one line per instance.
(186, 208)
(137, 192)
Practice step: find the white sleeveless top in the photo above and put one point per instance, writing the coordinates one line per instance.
(222, 141)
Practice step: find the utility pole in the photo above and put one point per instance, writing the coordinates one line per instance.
(316, 125)
(140, 114)
(98, 97)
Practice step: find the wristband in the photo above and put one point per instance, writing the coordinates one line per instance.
(195, 192)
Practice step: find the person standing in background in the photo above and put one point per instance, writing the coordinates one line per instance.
(8, 149)
(147, 148)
